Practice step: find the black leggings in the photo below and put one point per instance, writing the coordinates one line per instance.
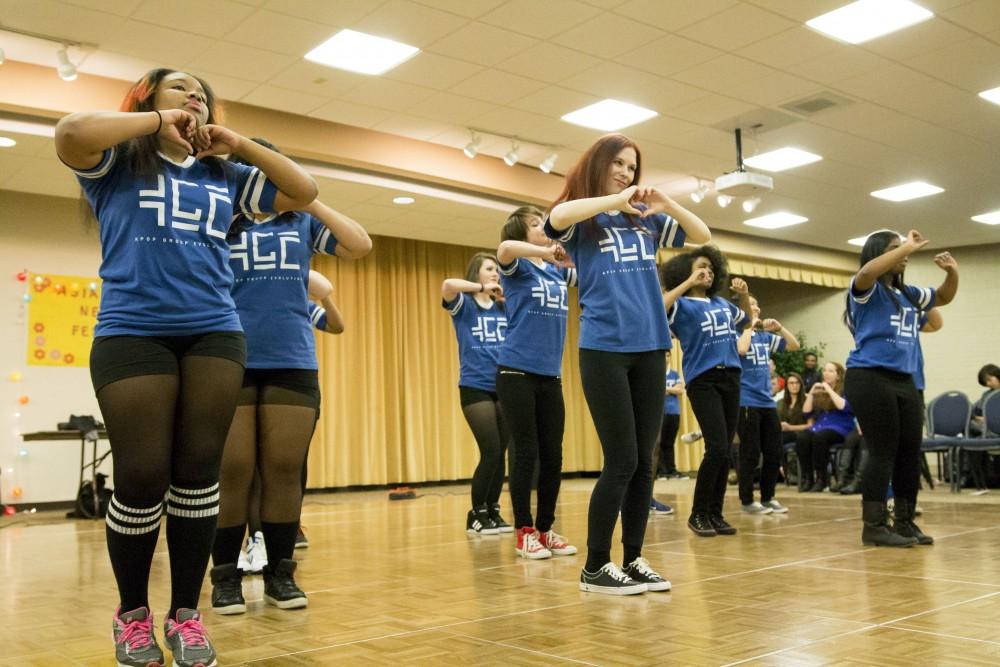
(715, 399)
(888, 409)
(760, 433)
(813, 450)
(485, 417)
(668, 435)
(624, 391)
(534, 412)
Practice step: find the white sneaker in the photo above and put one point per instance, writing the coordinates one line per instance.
(640, 571)
(979, 492)
(756, 508)
(776, 507)
(693, 436)
(256, 553)
(610, 580)
(243, 563)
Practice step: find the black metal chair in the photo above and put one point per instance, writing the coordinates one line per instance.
(947, 428)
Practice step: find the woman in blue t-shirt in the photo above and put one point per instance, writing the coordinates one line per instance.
(706, 324)
(832, 421)
(611, 228)
(529, 369)
(279, 401)
(759, 426)
(480, 320)
(169, 350)
(883, 313)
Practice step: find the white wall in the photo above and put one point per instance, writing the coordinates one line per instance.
(43, 235)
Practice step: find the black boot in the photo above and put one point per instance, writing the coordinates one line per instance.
(844, 459)
(855, 485)
(903, 523)
(227, 589)
(280, 588)
(820, 482)
(876, 532)
(805, 478)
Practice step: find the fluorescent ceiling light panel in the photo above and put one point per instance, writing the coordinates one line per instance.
(867, 19)
(609, 115)
(7, 142)
(360, 52)
(858, 240)
(782, 159)
(907, 191)
(403, 201)
(991, 95)
(991, 218)
(775, 220)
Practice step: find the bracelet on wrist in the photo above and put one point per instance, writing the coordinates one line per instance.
(159, 125)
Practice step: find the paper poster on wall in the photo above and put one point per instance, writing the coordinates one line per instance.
(62, 314)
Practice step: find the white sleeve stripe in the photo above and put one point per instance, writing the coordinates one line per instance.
(775, 344)
(510, 270)
(864, 298)
(248, 187)
(321, 241)
(258, 190)
(568, 234)
(571, 277)
(102, 167)
(925, 297)
(672, 313)
(458, 304)
(669, 233)
(317, 315)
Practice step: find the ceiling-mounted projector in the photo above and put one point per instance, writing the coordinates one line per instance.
(742, 183)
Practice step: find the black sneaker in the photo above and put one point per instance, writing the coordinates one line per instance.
(720, 525)
(639, 570)
(610, 580)
(478, 522)
(227, 589)
(498, 521)
(301, 541)
(280, 588)
(701, 525)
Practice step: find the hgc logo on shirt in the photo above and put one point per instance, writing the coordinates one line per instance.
(626, 244)
(248, 251)
(905, 323)
(758, 354)
(187, 195)
(718, 322)
(550, 294)
(489, 329)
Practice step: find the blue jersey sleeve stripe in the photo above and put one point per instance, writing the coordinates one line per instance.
(509, 269)
(566, 235)
(864, 297)
(669, 233)
(102, 168)
(454, 306)
(570, 276)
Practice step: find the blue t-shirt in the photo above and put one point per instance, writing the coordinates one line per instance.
(841, 421)
(755, 381)
(270, 263)
(480, 332)
(918, 375)
(317, 316)
(537, 309)
(163, 243)
(619, 290)
(671, 402)
(886, 335)
(706, 329)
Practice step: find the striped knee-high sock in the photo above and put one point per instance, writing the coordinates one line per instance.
(192, 511)
(131, 533)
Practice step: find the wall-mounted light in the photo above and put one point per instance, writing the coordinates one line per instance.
(723, 200)
(472, 148)
(750, 204)
(511, 158)
(549, 163)
(699, 195)
(66, 69)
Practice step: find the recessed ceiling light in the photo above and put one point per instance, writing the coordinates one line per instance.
(360, 52)
(991, 95)
(782, 159)
(7, 142)
(867, 19)
(775, 220)
(403, 201)
(907, 191)
(991, 218)
(609, 115)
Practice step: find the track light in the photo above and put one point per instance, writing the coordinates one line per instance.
(3, 57)
(549, 163)
(511, 158)
(66, 69)
(698, 195)
(472, 148)
(750, 204)
(723, 200)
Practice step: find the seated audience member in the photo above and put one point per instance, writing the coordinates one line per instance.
(832, 421)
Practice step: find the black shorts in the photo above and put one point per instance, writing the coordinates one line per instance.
(114, 358)
(470, 395)
(280, 386)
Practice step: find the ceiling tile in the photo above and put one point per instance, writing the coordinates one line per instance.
(347, 113)
(117, 7)
(497, 87)
(450, 108)
(736, 27)
(921, 38)
(843, 63)
(468, 8)
(676, 14)
(211, 19)
(724, 73)
(433, 71)
(599, 35)
(774, 89)
(315, 79)
(412, 126)
(792, 45)
(282, 99)
(482, 44)
(548, 62)
(883, 82)
(553, 102)
(151, 42)
(230, 88)
(504, 120)
(339, 14)
(668, 55)
(280, 33)
(417, 25)
(615, 80)
(540, 19)
(388, 94)
(48, 17)
(972, 64)
(796, 10)
(981, 15)
(241, 61)
(711, 109)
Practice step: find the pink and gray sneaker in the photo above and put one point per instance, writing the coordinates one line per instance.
(187, 641)
(135, 645)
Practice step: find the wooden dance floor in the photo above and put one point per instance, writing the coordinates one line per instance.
(399, 583)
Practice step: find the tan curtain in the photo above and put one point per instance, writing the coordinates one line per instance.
(773, 269)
